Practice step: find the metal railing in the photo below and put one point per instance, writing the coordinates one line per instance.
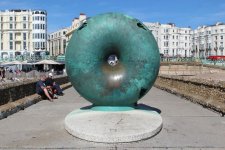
(192, 59)
(30, 58)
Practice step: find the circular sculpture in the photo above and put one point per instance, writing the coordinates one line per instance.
(112, 60)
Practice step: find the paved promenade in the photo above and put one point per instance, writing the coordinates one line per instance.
(185, 126)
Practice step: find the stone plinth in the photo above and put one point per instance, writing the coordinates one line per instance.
(113, 126)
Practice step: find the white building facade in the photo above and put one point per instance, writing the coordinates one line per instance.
(75, 24)
(58, 40)
(172, 41)
(22, 32)
(209, 40)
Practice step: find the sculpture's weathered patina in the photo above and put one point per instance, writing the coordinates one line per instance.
(119, 82)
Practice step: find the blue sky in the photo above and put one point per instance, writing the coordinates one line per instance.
(183, 13)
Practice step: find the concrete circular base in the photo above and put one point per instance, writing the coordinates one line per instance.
(113, 126)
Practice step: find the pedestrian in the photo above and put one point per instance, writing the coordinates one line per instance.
(55, 87)
(42, 90)
(3, 74)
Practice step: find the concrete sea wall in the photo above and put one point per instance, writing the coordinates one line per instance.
(208, 93)
(19, 95)
(17, 90)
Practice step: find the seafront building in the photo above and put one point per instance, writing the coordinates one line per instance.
(75, 24)
(184, 42)
(58, 40)
(22, 33)
(209, 40)
(172, 41)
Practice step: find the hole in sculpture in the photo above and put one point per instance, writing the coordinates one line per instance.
(82, 26)
(112, 60)
(140, 25)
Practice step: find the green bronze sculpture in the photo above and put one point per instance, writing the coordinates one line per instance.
(112, 60)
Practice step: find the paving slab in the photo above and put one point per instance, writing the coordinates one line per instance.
(185, 125)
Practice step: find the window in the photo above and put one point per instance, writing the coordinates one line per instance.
(221, 37)
(10, 45)
(216, 37)
(24, 18)
(24, 26)
(216, 31)
(166, 52)
(185, 37)
(10, 18)
(173, 36)
(15, 25)
(24, 36)
(24, 45)
(221, 30)
(10, 26)
(15, 18)
(43, 44)
(10, 36)
(166, 44)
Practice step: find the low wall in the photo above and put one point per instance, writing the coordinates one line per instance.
(210, 94)
(191, 64)
(18, 90)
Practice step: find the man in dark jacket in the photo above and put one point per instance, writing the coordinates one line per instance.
(41, 88)
(52, 84)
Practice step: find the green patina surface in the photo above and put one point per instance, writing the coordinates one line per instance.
(112, 34)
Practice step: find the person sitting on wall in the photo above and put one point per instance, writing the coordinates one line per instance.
(52, 84)
(41, 88)
(2, 74)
